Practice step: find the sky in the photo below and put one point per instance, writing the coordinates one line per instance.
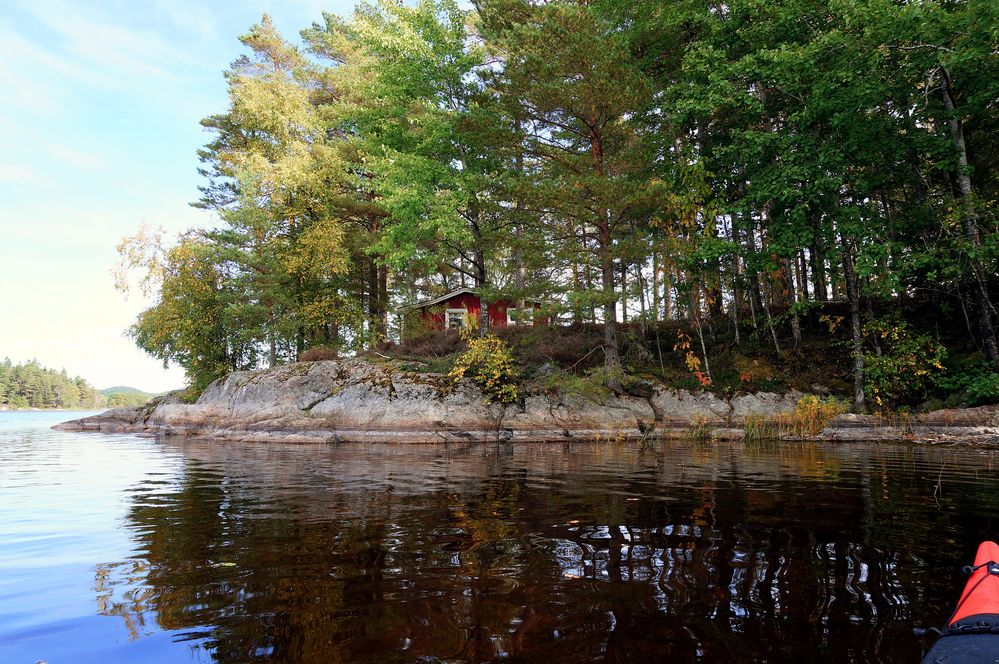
(98, 135)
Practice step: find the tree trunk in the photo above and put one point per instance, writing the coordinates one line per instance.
(755, 293)
(624, 292)
(372, 289)
(383, 301)
(588, 280)
(667, 293)
(272, 350)
(577, 312)
(480, 271)
(736, 294)
(695, 314)
(818, 270)
(761, 302)
(520, 276)
(789, 286)
(640, 281)
(983, 306)
(770, 324)
(853, 294)
(802, 277)
(654, 305)
(612, 357)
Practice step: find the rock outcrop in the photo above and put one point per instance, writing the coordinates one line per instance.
(355, 400)
(980, 424)
(358, 401)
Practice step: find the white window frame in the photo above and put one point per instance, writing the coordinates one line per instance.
(528, 314)
(461, 314)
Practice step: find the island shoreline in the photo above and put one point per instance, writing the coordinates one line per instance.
(357, 401)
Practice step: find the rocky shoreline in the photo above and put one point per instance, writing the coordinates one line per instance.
(358, 401)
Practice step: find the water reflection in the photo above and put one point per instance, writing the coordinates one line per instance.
(541, 553)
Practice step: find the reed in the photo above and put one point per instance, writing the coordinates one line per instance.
(756, 428)
(809, 417)
(698, 430)
(901, 420)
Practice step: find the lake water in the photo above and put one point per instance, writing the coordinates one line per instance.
(116, 548)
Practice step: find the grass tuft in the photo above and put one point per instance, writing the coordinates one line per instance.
(809, 417)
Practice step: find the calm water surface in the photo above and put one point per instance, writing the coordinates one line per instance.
(115, 548)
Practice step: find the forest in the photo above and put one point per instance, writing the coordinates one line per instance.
(717, 187)
(30, 385)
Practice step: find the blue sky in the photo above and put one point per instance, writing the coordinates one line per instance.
(98, 134)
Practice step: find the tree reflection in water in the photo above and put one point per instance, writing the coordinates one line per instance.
(550, 553)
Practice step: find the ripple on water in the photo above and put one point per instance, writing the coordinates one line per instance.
(120, 548)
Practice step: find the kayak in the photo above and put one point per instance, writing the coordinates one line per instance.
(972, 633)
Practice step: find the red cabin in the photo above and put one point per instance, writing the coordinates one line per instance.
(453, 310)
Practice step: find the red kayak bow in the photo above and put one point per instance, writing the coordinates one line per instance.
(972, 633)
(981, 593)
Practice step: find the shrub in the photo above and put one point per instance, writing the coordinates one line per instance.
(488, 362)
(906, 365)
(809, 417)
(188, 395)
(318, 354)
(972, 381)
(434, 344)
(590, 385)
(575, 348)
(811, 414)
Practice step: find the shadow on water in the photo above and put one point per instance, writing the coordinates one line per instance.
(611, 553)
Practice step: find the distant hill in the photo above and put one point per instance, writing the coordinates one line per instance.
(122, 389)
(123, 395)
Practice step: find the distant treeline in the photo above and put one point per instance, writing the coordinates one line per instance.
(30, 385)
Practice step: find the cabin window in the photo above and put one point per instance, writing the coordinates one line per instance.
(455, 319)
(519, 316)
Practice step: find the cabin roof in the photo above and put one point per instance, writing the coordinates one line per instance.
(438, 300)
(447, 296)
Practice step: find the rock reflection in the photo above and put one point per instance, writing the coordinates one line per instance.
(588, 553)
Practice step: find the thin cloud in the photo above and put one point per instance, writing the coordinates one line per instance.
(32, 93)
(108, 44)
(76, 158)
(192, 17)
(17, 174)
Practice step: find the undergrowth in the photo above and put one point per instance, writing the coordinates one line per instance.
(905, 347)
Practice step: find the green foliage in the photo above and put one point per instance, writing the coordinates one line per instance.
(488, 362)
(905, 365)
(971, 380)
(196, 313)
